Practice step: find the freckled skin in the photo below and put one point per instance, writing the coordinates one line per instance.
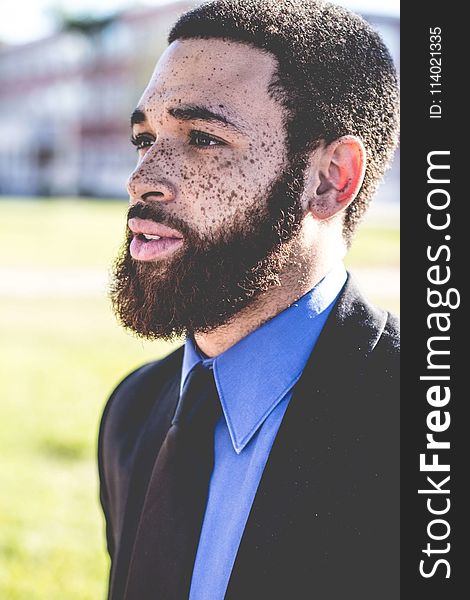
(228, 179)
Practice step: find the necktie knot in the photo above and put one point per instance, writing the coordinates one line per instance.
(199, 401)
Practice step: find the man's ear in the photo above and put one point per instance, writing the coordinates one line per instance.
(336, 175)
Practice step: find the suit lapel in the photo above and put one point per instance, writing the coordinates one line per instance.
(305, 440)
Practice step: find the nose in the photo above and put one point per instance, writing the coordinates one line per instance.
(143, 185)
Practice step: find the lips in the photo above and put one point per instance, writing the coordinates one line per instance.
(150, 228)
(152, 241)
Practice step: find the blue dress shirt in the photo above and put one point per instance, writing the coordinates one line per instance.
(254, 379)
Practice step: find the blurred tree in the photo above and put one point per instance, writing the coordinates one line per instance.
(88, 25)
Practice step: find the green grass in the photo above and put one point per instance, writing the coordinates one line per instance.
(59, 360)
(60, 233)
(375, 247)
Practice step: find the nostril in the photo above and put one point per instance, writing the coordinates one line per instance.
(148, 195)
(141, 189)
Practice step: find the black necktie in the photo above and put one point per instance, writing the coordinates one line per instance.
(171, 520)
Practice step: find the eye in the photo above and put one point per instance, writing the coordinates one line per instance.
(204, 140)
(142, 140)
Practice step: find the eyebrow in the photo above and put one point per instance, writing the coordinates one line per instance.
(194, 112)
(189, 112)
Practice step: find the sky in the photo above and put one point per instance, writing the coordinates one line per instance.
(27, 20)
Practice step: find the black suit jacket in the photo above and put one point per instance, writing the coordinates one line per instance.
(325, 520)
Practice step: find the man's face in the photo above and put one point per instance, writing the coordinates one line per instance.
(209, 171)
(214, 184)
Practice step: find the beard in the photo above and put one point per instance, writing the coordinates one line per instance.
(209, 280)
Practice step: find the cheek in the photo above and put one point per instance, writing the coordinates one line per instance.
(249, 181)
(214, 186)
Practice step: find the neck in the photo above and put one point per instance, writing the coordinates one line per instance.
(296, 279)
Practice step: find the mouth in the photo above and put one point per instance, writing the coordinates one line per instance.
(152, 241)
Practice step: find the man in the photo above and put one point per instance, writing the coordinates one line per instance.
(259, 460)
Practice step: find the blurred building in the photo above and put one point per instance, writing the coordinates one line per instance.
(65, 103)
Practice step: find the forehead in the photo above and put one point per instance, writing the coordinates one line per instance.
(218, 73)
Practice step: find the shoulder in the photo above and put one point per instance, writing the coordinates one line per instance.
(383, 363)
(123, 423)
(372, 332)
(133, 397)
(125, 416)
(390, 338)
(127, 410)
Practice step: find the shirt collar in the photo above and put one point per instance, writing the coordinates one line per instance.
(255, 374)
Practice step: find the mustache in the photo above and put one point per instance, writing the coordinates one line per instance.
(156, 213)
